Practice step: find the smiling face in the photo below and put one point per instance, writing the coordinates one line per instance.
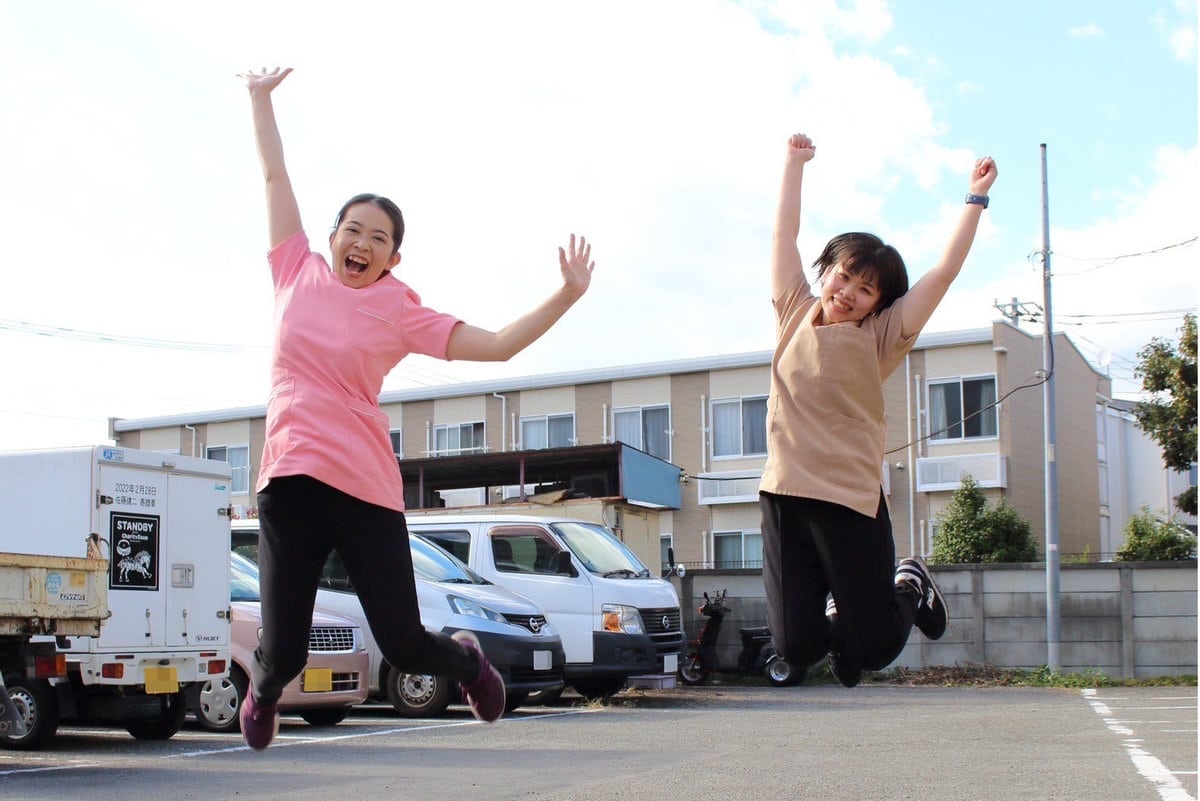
(847, 297)
(362, 246)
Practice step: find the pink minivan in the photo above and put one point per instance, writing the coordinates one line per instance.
(334, 680)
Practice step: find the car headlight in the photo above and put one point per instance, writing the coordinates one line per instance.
(621, 619)
(465, 606)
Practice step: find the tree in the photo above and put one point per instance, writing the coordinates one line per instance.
(1148, 539)
(971, 532)
(1169, 417)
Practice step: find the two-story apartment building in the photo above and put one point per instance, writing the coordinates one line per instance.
(963, 402)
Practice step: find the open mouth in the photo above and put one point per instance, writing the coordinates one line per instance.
(355, 265)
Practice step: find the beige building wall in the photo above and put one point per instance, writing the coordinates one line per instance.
(1014, 357)
(591, 412)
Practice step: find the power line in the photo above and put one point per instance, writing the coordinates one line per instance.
(62, 332)
(1107, 261)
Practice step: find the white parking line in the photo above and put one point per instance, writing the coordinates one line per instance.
(286, 740)
(1165, 781)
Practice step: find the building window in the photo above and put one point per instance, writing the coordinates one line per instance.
(458, 438)
(732, 549)
(547, 431)
(646, 428)
(397, 438)
(665, 550)
(962, 408)
(739, 426)
(238, 457)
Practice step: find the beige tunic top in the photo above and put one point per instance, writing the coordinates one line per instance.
(825, 416)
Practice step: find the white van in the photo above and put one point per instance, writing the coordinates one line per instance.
(616, 618)
(515, 634)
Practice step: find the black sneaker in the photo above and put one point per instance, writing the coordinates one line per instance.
(846, 672)
(932, 616)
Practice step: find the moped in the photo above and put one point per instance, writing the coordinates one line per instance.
(699, 660)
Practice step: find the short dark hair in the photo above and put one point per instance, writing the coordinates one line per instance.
(868, 256)
(389, 208)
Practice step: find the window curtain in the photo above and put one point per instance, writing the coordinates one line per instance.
(727, 428)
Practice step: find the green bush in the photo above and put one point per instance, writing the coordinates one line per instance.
(1149, 539)
(971, 532)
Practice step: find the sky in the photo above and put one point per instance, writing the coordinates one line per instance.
(133, 217)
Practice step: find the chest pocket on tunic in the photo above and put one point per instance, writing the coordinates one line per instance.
(376, 334)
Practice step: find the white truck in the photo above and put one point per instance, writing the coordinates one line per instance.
(159, 520)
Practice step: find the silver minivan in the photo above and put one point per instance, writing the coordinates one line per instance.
(513, 630)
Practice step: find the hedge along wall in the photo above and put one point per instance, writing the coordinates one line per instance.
(1126, 620)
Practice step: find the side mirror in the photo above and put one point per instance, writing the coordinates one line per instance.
(561, 563)
(678, 570)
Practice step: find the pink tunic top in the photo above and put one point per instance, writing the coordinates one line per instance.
(333, 347)
(825, 416)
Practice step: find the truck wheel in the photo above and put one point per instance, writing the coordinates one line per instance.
(331, 716)
(35, 702)
(417, 696)
(781, 673)
(220, 700)
(596, 689)
(164, 727)
(691, 668)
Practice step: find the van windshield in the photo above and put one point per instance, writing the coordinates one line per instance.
(243, 575)
(434, 564)
(599, 551)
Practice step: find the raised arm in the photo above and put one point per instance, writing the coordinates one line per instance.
(920, 301)
(476, 344)
(283, 213)
(785, 254)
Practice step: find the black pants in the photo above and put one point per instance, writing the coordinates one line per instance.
(301, 520)
(813, 548)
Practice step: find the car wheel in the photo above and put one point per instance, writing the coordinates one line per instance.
(331, 716)
(416, 696)
(173, 710)
(220, 700)
(514, 700)
(544, 697)
(595, 689)
(780, 673)
(691, 669)
(38, 708)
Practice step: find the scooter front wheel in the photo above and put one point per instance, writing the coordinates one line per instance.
(691, 668)
(781, 673)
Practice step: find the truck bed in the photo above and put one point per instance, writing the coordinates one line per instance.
(60, 595)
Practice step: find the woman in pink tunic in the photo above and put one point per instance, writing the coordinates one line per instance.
(329, 479)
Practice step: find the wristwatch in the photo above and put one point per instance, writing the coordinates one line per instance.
(978, 200)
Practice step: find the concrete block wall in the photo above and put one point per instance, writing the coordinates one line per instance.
(1126, 620)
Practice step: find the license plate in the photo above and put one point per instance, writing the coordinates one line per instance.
(317, 680)
(670, 663)
(161, 680)
(543, 660)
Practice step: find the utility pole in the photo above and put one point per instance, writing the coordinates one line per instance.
(1053, 590)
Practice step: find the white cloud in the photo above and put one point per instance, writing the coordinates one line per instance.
(1088, 31)
(1177, 26)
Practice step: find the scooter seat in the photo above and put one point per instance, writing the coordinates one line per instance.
(760, 631)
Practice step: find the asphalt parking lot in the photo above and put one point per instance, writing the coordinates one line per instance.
(873, 742)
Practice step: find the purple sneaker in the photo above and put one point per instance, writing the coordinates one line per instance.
(260, 722)
(485, 695)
